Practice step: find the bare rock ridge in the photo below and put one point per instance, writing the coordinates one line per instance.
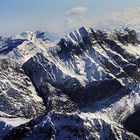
(84, 87)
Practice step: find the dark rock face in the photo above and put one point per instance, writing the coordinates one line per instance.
(132, 123)
(131, 70)
(10, 44)
(42, 35)
(96, 91)
(137, 62)
(128, 37)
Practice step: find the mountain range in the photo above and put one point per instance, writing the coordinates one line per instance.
(84, 87)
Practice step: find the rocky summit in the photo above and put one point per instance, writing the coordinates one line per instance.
(84, 87)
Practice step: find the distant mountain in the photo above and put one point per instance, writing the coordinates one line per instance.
(39, 35)
(86, 86)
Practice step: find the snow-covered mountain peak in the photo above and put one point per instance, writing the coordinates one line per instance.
(43, 35)
(27, 35)
(32, 36)
(78, 35)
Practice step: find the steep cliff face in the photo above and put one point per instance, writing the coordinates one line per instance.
(88, 65)
(88, 82)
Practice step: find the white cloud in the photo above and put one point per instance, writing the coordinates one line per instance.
(113, 19)
(76, 17)
(76, 11)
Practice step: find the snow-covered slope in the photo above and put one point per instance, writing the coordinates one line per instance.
(88, 82)
(17, 94)
(28, 35)
(24, 46)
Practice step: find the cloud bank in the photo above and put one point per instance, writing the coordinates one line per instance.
(79, 16)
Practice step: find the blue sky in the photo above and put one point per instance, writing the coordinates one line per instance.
(59, 15)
